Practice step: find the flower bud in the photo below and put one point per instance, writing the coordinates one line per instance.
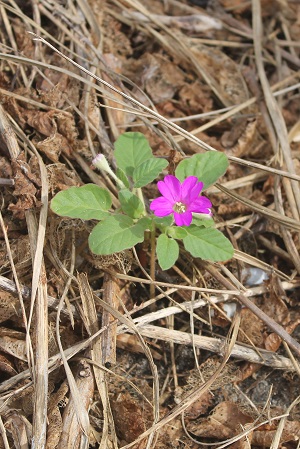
(100, 162)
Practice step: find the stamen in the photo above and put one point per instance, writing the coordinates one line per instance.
(179, 207)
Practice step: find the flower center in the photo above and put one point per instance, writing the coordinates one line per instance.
(179, 207)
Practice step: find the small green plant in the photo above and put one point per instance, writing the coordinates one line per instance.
(181, 213)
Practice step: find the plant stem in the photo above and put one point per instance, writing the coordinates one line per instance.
(152, 260)
(120, 184)
(139, 193)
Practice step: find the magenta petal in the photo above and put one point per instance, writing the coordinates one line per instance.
(195, 192)
(170, 188)
(201, 205)
(190, 189)
(161, 207)
(184, 219)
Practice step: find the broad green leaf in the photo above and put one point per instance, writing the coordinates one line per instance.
(147, 171)
(116, 233)
(86, 202)
(167, 251)
(176, 232)
(208, 167)
(202, 220)
(131, 149)
(207, 243)
(131, 204)
(122, 176)
(163, 221)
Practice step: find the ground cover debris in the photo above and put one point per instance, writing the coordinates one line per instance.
(121, 348)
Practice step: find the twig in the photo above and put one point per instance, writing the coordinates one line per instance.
(274, 111)
(111, 291)
(199, 390)
(152, 113)
(7, 182)
(216, 345)
(279, 330)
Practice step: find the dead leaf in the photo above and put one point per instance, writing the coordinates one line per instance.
(7, 366)
(225, 421)
(264, 437)
(132, 343)
(160, 77)
(24, 41)
(53, 146)
(252, 328)
(53, 87)
(20, 249)
(129, 417)
(14, 109)
(42, 122)
(58, 400)
(239, 140)
(91, 111)
(25, 182)
(116, 41)
(245, 442)
(5, 168)
(71, 430)
(67, 127)
(223, 71)
(60, 178)
(198, 407)
(25, 188)
(116, 111)
(247, 370)
(13, 343)
(230, 374)
(195, 98)
(274, 304)
(19, 428)
(272, 342)
(9, 305)
(294, 132)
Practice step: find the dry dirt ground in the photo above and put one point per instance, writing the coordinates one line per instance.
(87, 357)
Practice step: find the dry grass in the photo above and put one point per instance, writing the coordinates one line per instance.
(66, 94)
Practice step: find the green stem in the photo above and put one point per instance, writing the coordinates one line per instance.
(118, 181)
(139, 193)
(152, 260)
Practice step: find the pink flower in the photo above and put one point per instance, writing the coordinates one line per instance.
(180, 199)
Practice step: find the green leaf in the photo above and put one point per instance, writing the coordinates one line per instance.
(176, 232)
(208, 167)
(207, 243)
(122, 176)
(86, 202)
(147, 171)
(167, 251)
(131, 204)
(163, 221)
(131, 149)
(116, 233)
(202, 220)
